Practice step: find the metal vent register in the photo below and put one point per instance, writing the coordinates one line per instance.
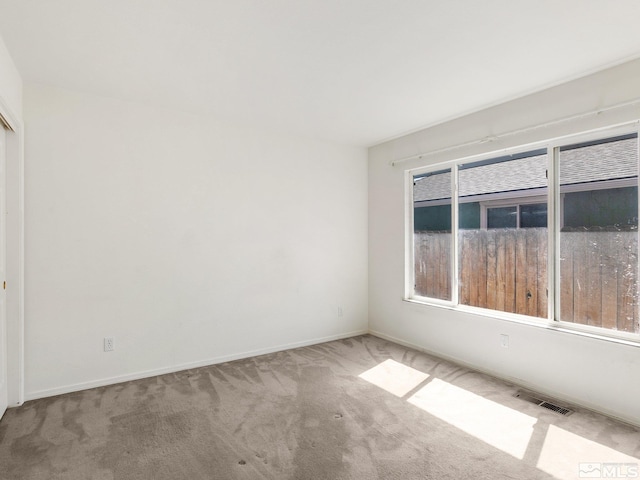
(543, 403)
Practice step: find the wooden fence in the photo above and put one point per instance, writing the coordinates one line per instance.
(506, 270)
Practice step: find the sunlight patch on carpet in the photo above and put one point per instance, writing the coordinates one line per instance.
(394, 377)
(568, 455)
(499, 426)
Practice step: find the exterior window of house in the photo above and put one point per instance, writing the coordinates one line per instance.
(529, 215)
(487, 245)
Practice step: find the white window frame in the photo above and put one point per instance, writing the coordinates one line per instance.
(554, 202)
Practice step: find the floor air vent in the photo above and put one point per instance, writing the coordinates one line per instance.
(542, 403)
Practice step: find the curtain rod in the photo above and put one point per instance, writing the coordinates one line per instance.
(493, 138)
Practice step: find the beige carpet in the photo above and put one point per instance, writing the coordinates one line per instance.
(361, 408)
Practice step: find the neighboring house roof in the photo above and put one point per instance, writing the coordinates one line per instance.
(587, 163)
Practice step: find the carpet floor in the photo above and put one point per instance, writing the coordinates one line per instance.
(360, 408)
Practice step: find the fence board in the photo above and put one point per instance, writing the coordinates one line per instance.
(492, 266)
(609, 290)
(532, 273)
(566, 278)
(594, 275)
(481, 267)
(510, 275)
(543, 297)
(521, 278)
(431, 268)
(465, 270)
(473, 263)
(501, 262)
(443, 266)
(580, 279)
(628, 285)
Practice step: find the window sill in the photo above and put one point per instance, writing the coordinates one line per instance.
(561, 327)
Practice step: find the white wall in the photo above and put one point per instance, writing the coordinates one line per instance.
(11, 110)
(10, 84)
(592, 372)
(188, 240)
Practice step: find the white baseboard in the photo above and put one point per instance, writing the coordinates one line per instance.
(76, 387)
(515, 381)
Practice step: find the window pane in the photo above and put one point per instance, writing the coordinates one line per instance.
(503, 267)
(534, 215)
(469, 215)
(502, 217)
(599, 236)
(432, 234)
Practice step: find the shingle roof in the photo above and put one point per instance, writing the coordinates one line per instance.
(587, 163)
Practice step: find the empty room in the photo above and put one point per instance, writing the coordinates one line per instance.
(293, 239)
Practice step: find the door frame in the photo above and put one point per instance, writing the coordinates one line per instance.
(14, 174)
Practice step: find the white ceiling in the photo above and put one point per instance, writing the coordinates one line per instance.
(350, 71)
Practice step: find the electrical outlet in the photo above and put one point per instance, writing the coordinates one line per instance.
(108, 344)
(504, 340)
